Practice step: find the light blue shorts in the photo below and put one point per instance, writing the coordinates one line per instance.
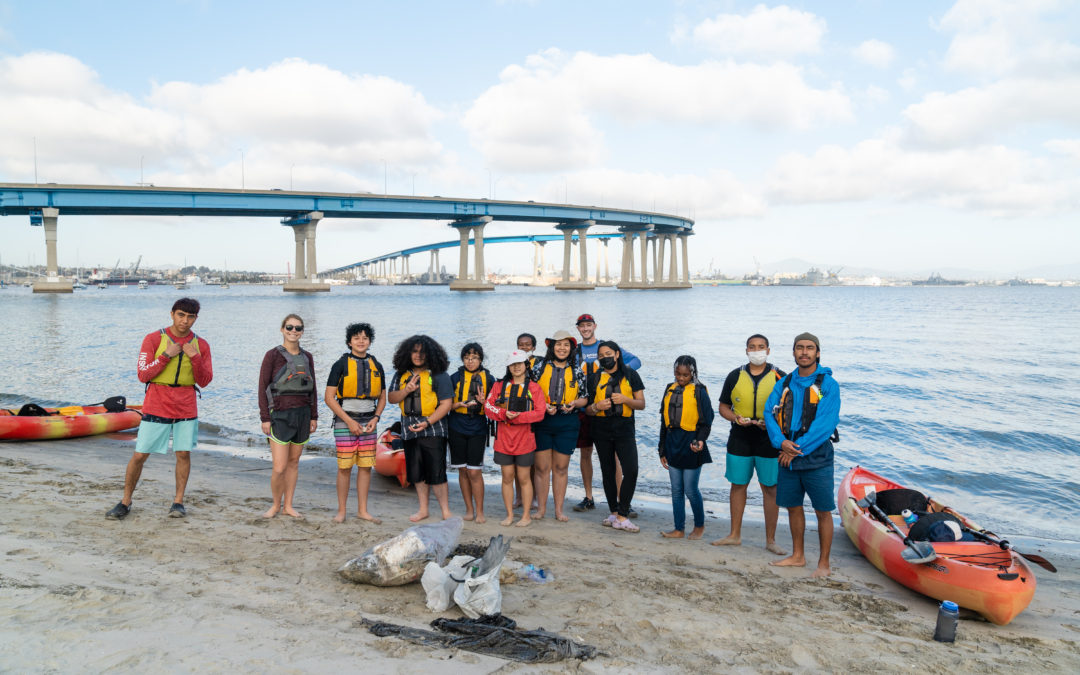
(740, 470)
(154, 437)
(816, 483)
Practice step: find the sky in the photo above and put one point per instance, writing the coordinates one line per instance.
(905, 137)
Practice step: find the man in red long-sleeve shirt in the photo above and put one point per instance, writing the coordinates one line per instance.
(174, 363)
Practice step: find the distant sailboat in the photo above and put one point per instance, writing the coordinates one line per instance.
(225, 284)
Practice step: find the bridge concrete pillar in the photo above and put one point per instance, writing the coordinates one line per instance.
(626, 272)
(643, 242)
(673, 271)
(607, 265)
(463, 281)
(408, 274)
(52, 282)
(582, 283)
(658, 269)
(306, 279)
(538, 263)
(598, 256)
(438, 267)
(685, 262)
(655, 267)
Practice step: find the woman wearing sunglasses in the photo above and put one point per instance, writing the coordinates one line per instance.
(288, 408)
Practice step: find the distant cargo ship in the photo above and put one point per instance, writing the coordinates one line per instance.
(813, 277)
(936, 279)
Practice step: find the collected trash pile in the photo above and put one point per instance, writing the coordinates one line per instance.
(471, 582)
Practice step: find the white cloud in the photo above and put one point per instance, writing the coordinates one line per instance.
(545, 115)
(976, 114)
(875, 53)
(1065, 146)
(995, 180)
(771, 32)
(1001, 37)
(716, 194)
(327, 123)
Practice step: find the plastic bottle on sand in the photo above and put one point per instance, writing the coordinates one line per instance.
(947, 617)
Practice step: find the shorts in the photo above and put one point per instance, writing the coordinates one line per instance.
(425, 460)
(359, 450)
(467, 451)
(818, 483)
(584, 437)
(154, 436)
(740, 470)
(503, 459)
(291, 426)
(558, 432)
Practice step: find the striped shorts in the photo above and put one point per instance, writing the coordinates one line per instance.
(353, 450)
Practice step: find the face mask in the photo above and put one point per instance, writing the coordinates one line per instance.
(607, 362)
(758, 358)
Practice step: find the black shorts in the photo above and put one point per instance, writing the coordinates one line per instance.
(503, 459)
(290, 426)
(750, 442)
(467, 451)
(584, 434)
(425, 460)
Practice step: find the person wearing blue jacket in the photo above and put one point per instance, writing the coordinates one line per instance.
(805, 409)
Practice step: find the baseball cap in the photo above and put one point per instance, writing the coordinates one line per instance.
(585, 318)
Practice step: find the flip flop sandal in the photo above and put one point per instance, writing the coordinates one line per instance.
(609, 521)
(625, 526)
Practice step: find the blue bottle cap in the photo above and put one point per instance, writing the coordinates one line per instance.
(950, 605)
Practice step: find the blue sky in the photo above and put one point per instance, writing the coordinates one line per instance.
(902, 136)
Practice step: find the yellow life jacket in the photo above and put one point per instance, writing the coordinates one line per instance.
(680, 407)
(421, 402)
(601, 391)
(556, 392)
(469, 387)
(748, 397)
(514, 397)
(179, 372)
(357, 382)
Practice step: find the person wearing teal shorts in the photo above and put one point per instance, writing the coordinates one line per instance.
(742, 402)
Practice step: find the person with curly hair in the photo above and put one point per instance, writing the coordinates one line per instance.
(422, 388)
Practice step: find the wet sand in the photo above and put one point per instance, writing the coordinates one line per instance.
(226, 590)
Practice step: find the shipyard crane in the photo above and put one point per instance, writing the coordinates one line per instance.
(135, 267)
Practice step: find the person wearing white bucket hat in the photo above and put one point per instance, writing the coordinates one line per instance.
(515, 402)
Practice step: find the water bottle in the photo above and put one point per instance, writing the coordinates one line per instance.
(947, 616)
(909, 517)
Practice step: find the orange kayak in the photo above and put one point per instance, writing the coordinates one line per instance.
(68, 422)
(388, 461)
(980, 576)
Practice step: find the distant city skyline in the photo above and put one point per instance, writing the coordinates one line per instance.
(896, 136)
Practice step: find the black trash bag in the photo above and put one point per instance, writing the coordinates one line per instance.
(490, 635)
(115, 404)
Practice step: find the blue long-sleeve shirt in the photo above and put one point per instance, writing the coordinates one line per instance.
(588, 354)
(815, 446)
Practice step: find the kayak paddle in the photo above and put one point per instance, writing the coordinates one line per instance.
(1004, 545)
(915, 553)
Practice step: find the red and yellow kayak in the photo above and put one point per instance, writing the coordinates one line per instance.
(980, 576)
(68, 422)
(388, 461)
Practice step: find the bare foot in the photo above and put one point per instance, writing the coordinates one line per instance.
(480, 518)
(730, 540)
(370, 518)
(790, 561)
(697, 532)
(271, 512)
(339, 518)
(290, 511)
(821, 572)
(673, 534)
(468, 516)
(508, 521)
(539, 515)
(772, 547)
(562, 517)
(524, 522)
(418, 516)
(446, 514)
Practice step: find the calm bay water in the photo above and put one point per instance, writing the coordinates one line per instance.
(970, 394)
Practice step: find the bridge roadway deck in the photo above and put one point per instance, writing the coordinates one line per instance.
(103, 200)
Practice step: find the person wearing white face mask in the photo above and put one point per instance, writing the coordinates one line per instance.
(742, 402)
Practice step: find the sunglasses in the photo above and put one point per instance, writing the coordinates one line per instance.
(298, 329)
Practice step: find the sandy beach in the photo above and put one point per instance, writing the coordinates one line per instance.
(226, 590)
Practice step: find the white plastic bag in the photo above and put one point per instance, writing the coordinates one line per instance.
(440, 582)
(481, 595)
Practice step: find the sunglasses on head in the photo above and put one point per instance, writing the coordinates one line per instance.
(298, 329)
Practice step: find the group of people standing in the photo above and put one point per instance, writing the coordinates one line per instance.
(579, 394)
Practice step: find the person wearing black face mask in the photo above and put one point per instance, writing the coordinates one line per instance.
(615, 392)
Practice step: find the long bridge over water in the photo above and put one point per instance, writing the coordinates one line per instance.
(302, 211)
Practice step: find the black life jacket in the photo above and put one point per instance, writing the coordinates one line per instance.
(783, 411)
(293, 378)
(514, 397)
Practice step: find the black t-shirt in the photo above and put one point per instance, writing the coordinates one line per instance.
(748, 441)
(611, 427)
